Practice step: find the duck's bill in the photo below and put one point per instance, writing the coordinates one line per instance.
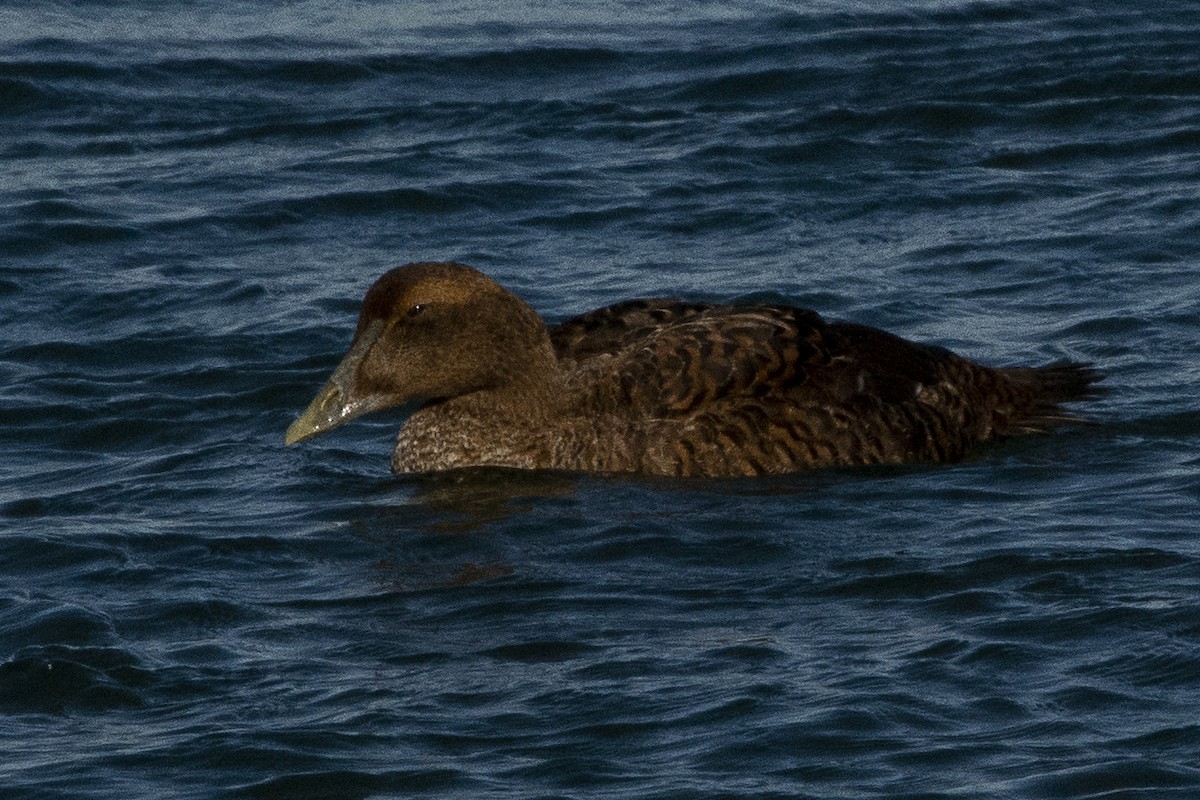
(337, 403)
(328, 410)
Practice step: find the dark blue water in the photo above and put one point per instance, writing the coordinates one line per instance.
(193, 201)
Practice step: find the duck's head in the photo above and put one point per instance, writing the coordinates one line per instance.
(427, 332)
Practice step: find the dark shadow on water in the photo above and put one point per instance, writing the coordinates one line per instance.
(436, 531)
(462, 527)
(469, 500)
(463, 501)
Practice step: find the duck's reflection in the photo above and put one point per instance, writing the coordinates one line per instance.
(435, 529)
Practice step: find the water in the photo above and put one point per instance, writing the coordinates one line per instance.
(194, 200)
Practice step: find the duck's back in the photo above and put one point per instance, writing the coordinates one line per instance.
(693, 389)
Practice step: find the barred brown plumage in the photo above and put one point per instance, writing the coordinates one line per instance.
(664, 387)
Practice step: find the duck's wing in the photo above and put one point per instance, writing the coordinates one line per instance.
(870, 363)
(612, 329)
(740, 390)
(672, 357)
(667, 359)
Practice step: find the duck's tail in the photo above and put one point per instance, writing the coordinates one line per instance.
(1050, 387)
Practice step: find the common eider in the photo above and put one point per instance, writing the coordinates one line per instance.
(662, 387)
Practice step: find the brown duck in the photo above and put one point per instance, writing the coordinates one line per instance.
(663, 387)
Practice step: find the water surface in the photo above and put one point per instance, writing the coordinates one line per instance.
(194, 200)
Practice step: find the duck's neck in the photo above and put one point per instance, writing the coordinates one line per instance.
(534, 389)
(506, 425)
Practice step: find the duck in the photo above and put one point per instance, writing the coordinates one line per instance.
(664, 387)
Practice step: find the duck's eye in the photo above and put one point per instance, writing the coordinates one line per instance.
(416, 309)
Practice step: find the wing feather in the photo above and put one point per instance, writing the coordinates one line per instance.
(673, 359)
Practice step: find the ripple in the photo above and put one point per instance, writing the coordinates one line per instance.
(353, 783)
(1168, 665)
(1109, 778)
(58, 678)
(541, 651)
